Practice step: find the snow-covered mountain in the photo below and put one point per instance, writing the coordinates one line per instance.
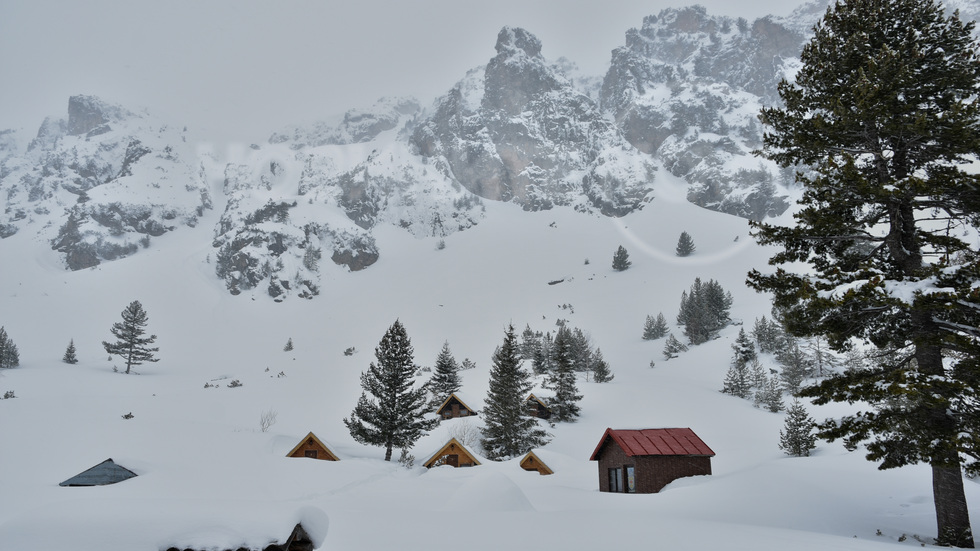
(501, 203)
(101, 183)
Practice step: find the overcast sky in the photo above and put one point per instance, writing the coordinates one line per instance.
(238, 69)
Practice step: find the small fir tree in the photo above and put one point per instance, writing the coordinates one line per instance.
(600, 369)
(673, 347)
(289, 345)
(9, 357)
(396, 414)
(685, 245)
(621, 259)
(530, 343)
(737, 380)
(655, 328)
(797, 436)
(564, 406)
(445, 377)
(508, 431)
(541, 361)
(770, 395)
(70, 357)
(797, 366)
(132, 345)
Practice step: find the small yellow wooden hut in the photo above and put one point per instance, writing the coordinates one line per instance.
(532, 462)
(311, 446)
(453, 454)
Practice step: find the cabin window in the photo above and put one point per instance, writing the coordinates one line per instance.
(310, 453)
(630, 479)
(615, 479)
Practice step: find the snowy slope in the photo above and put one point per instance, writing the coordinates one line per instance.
(208, 477)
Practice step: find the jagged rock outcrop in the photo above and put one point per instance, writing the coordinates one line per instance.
(320, 192)
(687, 88)
(104, 179)
(519, 131)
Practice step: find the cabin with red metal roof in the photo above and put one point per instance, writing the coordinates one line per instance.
(643, 461)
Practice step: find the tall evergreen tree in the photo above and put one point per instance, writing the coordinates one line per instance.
(9, 356)
(508, 430)
(621, 259)
(882, 115)
(445, 377)
(564, 406)
(797, 436)
(685, 245)
(396, 413)
(70, 357)
(132, 345)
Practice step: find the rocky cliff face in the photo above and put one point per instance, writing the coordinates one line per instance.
(518, 131)
(320, 192)
(687, 87)
(108, 180)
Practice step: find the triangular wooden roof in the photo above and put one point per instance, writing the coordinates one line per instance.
(538, 400)
(458, 399)
(531, 462)
(307, 438)
(107, 472)
(460, 448)
(676, 441)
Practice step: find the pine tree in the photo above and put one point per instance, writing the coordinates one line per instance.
(600, 369)
(564, 406)
(738, 380)
(289, 345)
(797, 436)
(770, 395)
(744, 349)
(704, 310)
(881, 117)
(541, 362)
(69, 357)
(685, 245)
(655, 328)
(395, 414)
(131, 345)
(768, 335)
(530, 343)
(445, 377)
(672, 347)
(9, 356)
(797, 366)
(508, 430)
(621, 259)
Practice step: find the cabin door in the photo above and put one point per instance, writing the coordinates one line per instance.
(452, 460)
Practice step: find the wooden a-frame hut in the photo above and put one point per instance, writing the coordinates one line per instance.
(454, 407)
(311, 446)
(537, 408)
(532, 462)
(453, 454)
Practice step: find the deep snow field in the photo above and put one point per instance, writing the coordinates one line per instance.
(209, 477)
